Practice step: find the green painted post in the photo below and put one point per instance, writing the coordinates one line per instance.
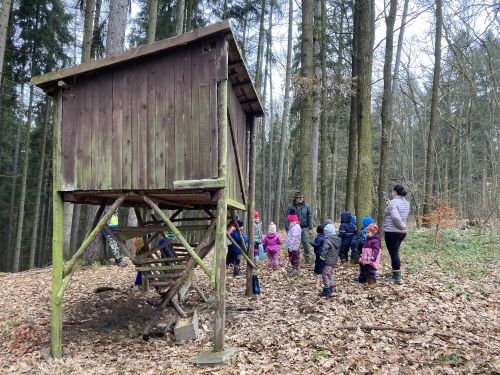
(57, 234)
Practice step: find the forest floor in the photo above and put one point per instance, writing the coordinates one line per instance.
(450, 295)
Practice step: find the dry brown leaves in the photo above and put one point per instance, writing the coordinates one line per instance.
(287, 329)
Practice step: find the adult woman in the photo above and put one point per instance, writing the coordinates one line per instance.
(395, 228)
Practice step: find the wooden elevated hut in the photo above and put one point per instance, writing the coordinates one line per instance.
(166, 126)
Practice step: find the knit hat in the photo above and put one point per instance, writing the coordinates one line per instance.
(256, 215)
(298, 195)
(372, 228)
(367, 220)
(292, 217)
(329, 230)
(272, 227)
(319, 229)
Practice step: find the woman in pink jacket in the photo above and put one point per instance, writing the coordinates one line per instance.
(271, 243)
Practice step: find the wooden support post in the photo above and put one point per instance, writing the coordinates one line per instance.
(220, 234)
(237, 227)
(86, 242)
(178, 234)
(57, 234)
(200, 292)
(251, 201)
(122, 246)
(140, 221)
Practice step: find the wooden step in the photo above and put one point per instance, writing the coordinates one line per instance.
(163, 260)
(171, 267)
(163, 276)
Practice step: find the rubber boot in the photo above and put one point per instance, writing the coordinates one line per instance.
(372, 283)
(327, 292)
(396, 277)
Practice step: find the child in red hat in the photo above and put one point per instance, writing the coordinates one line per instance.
(370, 257)
(258, 234)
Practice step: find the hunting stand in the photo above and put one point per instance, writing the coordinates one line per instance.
(166, 126)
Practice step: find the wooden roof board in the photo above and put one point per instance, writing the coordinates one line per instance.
(238, 73)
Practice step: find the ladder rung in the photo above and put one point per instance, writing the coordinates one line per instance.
(163, 260)
(161, 268)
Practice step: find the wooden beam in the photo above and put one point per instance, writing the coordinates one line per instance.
(236, 205)
(239, 166)
(161, 268)
(76, 257)
(207, 183)
(178, 234)
(119, 242)
(249, 261)
(236, 63)
(251, 202)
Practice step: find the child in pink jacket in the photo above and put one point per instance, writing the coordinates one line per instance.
(271, 243)
(370, 257)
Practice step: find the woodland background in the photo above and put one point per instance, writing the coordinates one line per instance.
(355, 102)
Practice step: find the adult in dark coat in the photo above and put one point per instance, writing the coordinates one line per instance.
(304, 213)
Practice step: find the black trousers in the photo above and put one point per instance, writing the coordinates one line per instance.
(393, 242)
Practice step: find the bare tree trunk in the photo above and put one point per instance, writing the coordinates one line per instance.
(153, 16)
(87, 30)
(316, 105)
(365, 165)
(386, 115)
(260, 49)
(4, 26)
(117, 22)
(429, 166)
(285, 118)
(263, 161)
(305, 126)
(189, 15)
(22, 198)
(179, 17)
(38, 194)
(270, 165)
(333, 197)
(94, 52)
(324, 126)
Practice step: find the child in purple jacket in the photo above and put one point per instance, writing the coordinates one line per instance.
(271, 243)
(370, 257)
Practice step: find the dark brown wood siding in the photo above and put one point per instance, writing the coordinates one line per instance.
(144, 124)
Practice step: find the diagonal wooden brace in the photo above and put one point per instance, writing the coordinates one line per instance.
(90, 237)
(178, 234)
(241, 250)
(122, 246)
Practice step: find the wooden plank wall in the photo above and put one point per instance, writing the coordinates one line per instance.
(143, 124)
(238, 119)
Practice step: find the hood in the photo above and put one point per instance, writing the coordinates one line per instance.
(345, 217)
(271, 235)
(354, 220)
(336, 240)
(367, 220)
(329, 230)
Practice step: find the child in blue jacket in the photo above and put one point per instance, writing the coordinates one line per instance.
(233, 253)
(317, 244)
(346, 233)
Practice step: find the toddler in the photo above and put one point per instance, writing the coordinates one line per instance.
(271, 243)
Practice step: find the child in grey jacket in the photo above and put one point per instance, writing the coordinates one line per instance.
(330, 253)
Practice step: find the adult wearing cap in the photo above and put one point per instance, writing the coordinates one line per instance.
(304, 214)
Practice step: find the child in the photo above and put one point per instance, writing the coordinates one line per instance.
(271, 243)
(330, 253)
(233, 253)
(346, 233)
(354, 242)
(293, 238)
(317, 244)
(367, 220)
(257, 234)
(370, 257)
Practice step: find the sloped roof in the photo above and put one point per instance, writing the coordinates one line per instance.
(237, 73)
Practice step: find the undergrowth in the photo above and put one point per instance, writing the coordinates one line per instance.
(456, 252)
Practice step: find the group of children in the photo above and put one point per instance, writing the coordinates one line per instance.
(328, 247)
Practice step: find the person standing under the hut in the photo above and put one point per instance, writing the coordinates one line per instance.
(395, 228)
(304, 214)
(233, 252)
(115, 250)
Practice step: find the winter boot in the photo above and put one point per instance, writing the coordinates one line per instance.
(327, 292)
(355, 258)
(372, 283)
(236, 271)
(396, 277)
(120, 262)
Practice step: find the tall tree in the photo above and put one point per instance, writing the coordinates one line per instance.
(179, 17)
(117, 23)
(306, 74)
(386, 115)
(433, 126)
(285, 117)
(153, 16)
(88, 29)
(365, 10)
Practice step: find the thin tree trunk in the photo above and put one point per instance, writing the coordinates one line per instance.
(260, 49)
(429, 165)
(179, 17)
(316, 105)
(305, 126)
(38, 193)
(87, 30)
(22, 198)
(96, 32)
(397, 62)
(324, 126)
(270, 165)
(153, 16)
(365, 165)
(4, 27)
(386, 115)
(333, 197)
(285, 118)
(263, 162)
(117, 22)
(352, 153)
(189, 15)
